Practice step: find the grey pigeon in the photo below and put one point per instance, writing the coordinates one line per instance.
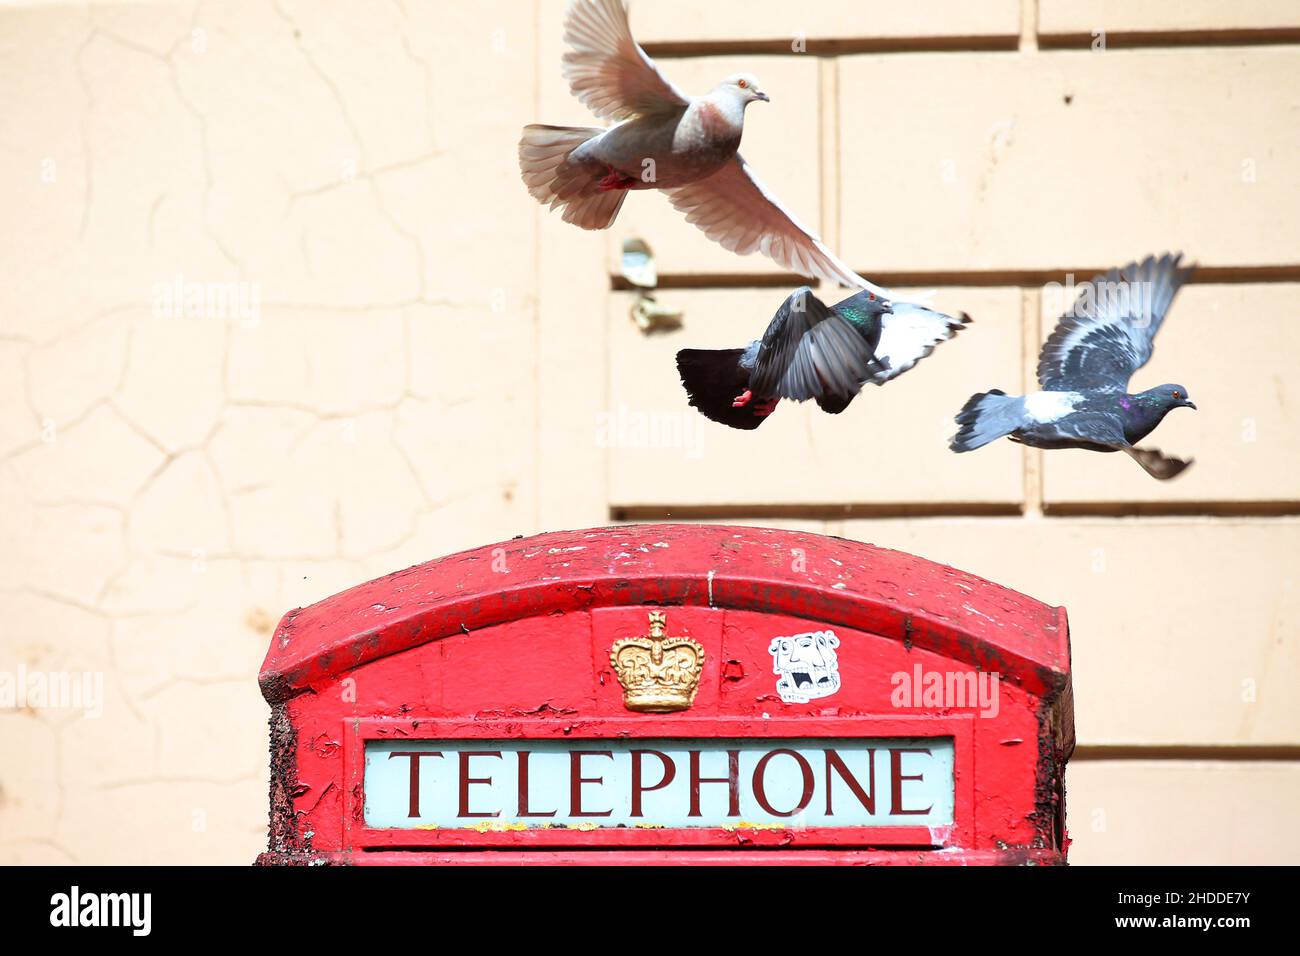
(663, 139)
(1084, 370)
(813, 351)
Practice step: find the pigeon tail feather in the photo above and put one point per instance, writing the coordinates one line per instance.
(987, 417)
(713, 379)
(834, 404)
(555, 181)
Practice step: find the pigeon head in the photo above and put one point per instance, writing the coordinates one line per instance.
(874, 304)
(864, 308)
(1145, 410)
(1170, 396)
(744, 88)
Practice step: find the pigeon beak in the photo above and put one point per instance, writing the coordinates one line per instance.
(1191, 405)
(759, 95)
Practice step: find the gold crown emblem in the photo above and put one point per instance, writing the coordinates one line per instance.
(658, 674)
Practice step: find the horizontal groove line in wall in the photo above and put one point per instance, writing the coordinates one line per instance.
(705, 280)
(992, 43)
(1224, 752)
(835, 512)
(1022, 278)
(1132, 39)
(1178, 509)
(833, 46)
(812, 512)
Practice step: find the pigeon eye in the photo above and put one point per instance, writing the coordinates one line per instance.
(1177, 394)
(742, 84)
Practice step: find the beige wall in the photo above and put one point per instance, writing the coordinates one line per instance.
(430, 356)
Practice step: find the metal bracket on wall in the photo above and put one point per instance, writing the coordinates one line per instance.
(638, 267)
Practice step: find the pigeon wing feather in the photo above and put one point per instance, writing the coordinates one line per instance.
(833, 359)
(809, 351)
(1157, 464)
(1094, 426)
(909, 334)
(798, 314)
(1109, 333)
(607, 69)
(735, 210)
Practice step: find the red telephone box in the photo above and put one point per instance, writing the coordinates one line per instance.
(671, 693)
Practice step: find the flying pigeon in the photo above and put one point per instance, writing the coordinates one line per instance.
(663, 139)
(813, 351)
(1084, 370)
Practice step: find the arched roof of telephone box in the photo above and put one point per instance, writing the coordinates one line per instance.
(834, 581)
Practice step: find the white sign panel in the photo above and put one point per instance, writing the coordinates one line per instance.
(842, 782)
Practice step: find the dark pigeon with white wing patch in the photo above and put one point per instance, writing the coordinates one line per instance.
(1084, 371)
(813, 351)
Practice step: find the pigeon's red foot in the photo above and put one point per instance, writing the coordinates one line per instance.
(764, 408)
(614, 180)
(742, 399)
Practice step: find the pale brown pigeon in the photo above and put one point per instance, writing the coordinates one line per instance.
(662, 139)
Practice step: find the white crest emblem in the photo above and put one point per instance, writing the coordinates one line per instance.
(806, 666)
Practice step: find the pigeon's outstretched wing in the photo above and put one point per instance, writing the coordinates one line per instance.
(607, 70)
(1105, 431)
(1157, 464)
(808, 352)
(1108, 334)
(735, 210)
(908, 335)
